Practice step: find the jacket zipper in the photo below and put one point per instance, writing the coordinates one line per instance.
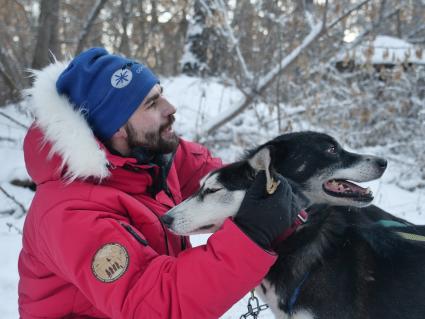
(165, 233)
(182, 238)
(135, 235)
(168, 192)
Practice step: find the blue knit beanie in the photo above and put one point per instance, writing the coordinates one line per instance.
(107, 88)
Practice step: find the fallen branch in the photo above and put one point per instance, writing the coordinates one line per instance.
(13, 120)
(10, 225)
(13, 199)
(24, 183)
(7, 212)
(8, 139)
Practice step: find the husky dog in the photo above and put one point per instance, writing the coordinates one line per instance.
(343, 262)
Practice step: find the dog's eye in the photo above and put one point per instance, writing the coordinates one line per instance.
(211, 190)
(331, 149)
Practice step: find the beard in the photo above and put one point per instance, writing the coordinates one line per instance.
(153, 140)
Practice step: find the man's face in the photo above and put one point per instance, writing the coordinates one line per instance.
(150, 126)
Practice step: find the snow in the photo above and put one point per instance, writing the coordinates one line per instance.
(197, 100)
(385, 50)
(11, 136)
(188, 57)
(10, 245)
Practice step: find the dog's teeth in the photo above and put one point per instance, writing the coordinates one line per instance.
(368, 190)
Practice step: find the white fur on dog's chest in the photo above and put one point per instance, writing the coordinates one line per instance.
(272, 300)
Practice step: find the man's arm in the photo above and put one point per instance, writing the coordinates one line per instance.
(125, 278)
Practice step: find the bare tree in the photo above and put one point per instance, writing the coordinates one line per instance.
(89, 24)
(126, 8)
(318, 29)
(47, 34)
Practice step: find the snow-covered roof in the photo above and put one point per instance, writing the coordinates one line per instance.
(385, 50)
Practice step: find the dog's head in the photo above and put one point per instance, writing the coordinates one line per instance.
(318, 168)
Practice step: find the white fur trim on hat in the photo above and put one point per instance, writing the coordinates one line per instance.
(65, 128)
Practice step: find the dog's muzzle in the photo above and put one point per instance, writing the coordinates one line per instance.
(167, 220)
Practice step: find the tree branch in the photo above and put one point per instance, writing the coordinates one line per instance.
(88, 25)
(346, 14)
(10, 225)
(23, 209)
(325, 13)
(234, 41)
(263, 83)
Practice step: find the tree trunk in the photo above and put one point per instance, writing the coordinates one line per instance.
(47, 34)
(125, 42)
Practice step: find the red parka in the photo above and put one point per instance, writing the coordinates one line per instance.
(79, 216)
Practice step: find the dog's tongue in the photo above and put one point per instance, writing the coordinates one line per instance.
(343, 186)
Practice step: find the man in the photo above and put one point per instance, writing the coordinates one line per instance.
(108, 165)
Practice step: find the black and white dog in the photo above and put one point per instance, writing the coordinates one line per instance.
(344, 262)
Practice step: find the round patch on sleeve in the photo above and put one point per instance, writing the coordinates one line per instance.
(110, 262)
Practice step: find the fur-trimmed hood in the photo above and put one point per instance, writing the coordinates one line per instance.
(66, 140)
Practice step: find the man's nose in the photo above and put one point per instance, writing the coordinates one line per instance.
(168, 108)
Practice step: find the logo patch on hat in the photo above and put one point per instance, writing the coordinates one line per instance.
(121, 78)
(110, 262)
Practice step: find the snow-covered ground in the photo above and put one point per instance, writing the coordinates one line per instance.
(197, 101)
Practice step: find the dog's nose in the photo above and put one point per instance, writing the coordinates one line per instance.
(382, 163)
(167, 220)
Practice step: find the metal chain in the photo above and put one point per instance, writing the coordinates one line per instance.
(254, 307)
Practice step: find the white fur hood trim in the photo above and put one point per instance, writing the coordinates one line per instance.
(65, 128)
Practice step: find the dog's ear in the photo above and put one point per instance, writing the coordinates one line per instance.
(261, 161)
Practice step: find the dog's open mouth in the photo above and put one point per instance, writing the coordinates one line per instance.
(346, 189)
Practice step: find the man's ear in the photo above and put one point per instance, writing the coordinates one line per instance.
(261, 161)
(121, 133)
(118, 142)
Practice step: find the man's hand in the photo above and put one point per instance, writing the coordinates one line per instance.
(265, 217)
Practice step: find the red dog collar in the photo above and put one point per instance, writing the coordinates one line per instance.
(301, 218)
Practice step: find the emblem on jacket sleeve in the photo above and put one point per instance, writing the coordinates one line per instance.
(110, 262)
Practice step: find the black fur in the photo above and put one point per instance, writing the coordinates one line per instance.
(354, 267)
(290, 151)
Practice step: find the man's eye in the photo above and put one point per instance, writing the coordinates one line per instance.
(211, 190)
